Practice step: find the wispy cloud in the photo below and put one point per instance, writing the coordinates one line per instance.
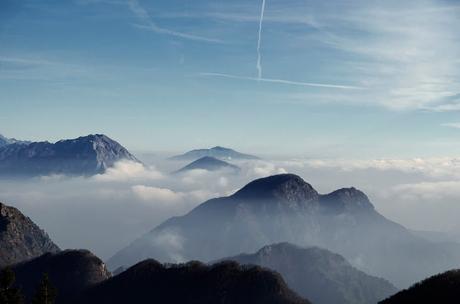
(151, 25)
(455, 125)
(283, 81)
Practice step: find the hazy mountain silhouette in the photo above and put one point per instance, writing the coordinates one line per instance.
(20, 238)
(319, 275)
(443, 288)
(210, 164)
(8, 141)
(284, 208)
(216, 152)
(85, 155)
(70, 272)
(226, 282)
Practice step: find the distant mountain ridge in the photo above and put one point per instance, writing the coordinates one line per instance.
(216, 152)
(209, 163)
(20, 238)
(319, 275)
(284, 208)
(86, 155)
(8, 141)
(152, 282)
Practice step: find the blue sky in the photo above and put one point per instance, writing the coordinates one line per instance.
(338, 79)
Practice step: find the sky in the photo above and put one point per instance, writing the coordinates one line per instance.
(343, 93)
(359, 79)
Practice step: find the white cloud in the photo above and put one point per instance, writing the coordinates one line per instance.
(455, 125)
(428, 191)
(156, 194)
(263, 169)
(129, 170)
(440, 167)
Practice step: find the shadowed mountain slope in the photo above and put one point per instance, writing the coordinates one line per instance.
(322, 276)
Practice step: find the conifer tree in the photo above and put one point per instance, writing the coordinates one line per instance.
(46, 293)
(9, 294)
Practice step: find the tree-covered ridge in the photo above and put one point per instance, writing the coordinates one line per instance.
(443, 288)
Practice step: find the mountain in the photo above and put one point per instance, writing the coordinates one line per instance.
(20, 238)
(87, 155)
(284, 208)
(210, 164)
(8, 141)
(443, 288)
(70, 272)
(227, 282)
(312, 271)
(216, 152)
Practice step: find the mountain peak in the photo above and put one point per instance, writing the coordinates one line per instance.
(288, 187)
(209, 163)
(85, 155)
(216, 152)
(346, 199)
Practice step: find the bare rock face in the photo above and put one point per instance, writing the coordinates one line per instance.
(20, 238)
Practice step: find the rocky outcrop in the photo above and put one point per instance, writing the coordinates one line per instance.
(20, 238)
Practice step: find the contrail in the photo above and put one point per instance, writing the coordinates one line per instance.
(283, 81)
(259, 59)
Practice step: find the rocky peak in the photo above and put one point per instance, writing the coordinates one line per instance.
(346, 199)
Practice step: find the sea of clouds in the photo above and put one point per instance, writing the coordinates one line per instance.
(106, 212)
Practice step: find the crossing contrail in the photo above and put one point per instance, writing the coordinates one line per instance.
(284, 81)
(259, 59)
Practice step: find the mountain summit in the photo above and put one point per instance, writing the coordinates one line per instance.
(86, 155)
(210, 164)
(216, 152)
(286, 187)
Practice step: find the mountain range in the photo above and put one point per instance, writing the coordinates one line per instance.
(284, 208)
(86, 155)
(4, 141)
(209, 163)
(81, 277)
(311, 271)
(216, 152)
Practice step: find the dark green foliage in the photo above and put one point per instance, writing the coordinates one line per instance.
(193, 283)
(46, 293)
(8, 293)
(443, 288)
